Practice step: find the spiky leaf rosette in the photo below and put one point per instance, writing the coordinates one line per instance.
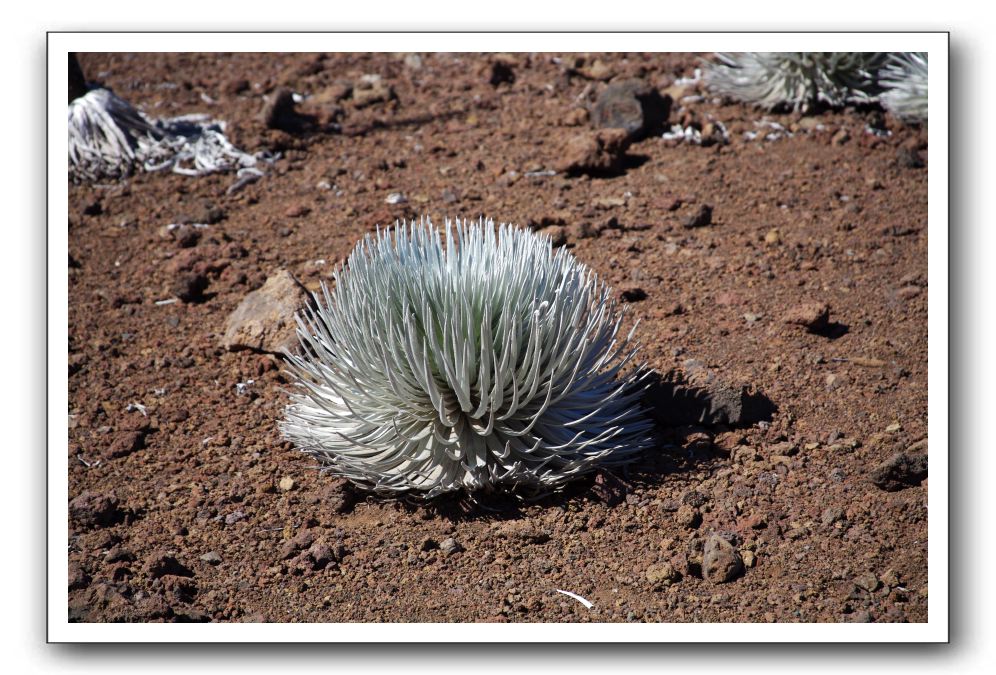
(797, 80)
(463, 359)
(905, 82)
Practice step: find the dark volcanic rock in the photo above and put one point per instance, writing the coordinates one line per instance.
(92, 510)
(701, 218)
(675, 402)
(900, 471)
(633, 106)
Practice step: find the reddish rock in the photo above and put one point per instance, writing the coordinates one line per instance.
(598, 152)
(264, 320)
(813, 316)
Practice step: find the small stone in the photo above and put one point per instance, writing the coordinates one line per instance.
(688, 517)
(301, 541)
(371, 89)
(234, 517)
(212, 558)
(596, 153)
(297, 211)
(840, 138)
(161, 564)
(119, 554)
(395, 198)
(449, 546)
(834, 381)
(500, 71)
(124, 444)
(662, 574)
(236, 86)
(814, 316)
(575, 117)
(773, 237)
(186, 236)
(721, 562)
(749, 558)
(908, 158)
(908, 292)
(286, 484)
(279, 111)
(633, 294)
(900, 471)
(78, 578)
(189, 286)
(264, 320)
(831, 515)
(868, 582)
(558, 235)
(95, 510)
(338, 497)
(894, 428)
(867, 363)
(322, 555)
(701, 218)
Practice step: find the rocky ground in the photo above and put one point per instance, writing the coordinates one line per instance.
(777, 264)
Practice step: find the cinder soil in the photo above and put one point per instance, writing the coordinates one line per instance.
(811, 218)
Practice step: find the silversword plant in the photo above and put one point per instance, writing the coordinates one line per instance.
(464, 358)
(797, 80)
(905, 80)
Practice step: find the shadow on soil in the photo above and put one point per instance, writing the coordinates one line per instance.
(682, 412)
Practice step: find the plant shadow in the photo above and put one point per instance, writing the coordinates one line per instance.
(685, 415)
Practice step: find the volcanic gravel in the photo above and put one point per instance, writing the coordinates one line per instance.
(186, 505)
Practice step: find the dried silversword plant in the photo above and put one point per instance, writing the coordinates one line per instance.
(464, 358)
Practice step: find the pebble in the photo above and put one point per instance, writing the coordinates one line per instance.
(840, 138)
(371, 89)
(297, 211)
(748, 558)
(286, 484)
(189, 286)
(908, 158)
(212, 558)
(701, 218)
(500, 71)
(633, 294)
(396, 198)
(279, 111)
(160, 564)
(688, 517)
(125, 443)
(773, 237)
(449, 546)
(814, 316)
(662, 574)
(868, 582)
(95, 510)
(721, 562)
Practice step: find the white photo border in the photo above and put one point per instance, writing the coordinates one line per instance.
(936, 629)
